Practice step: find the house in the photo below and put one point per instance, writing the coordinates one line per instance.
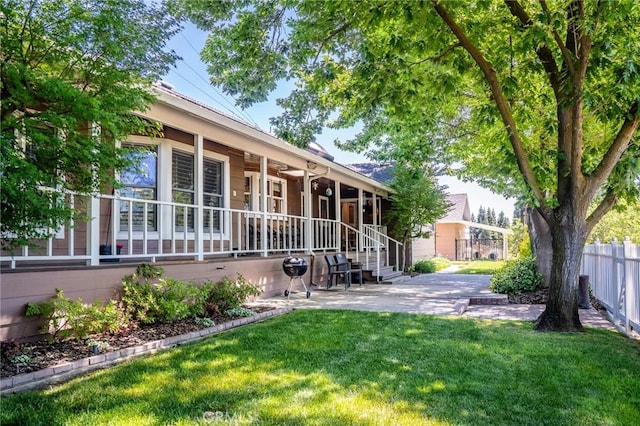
(451, 237)
(211, 198)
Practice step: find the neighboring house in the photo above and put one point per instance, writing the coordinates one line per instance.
(451, 238)
(213, 197)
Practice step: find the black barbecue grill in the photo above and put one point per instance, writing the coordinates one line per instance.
(295, 268)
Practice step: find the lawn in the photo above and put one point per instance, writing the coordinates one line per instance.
(359, 368)
(480, 267)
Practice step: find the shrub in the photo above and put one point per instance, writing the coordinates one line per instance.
(525, 247)
(165, 301)
(423, 267)
(228, 294)
(441, 263)
(516, 276)
(240, 311)
(66, 318)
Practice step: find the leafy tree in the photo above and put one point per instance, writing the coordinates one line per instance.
(619, 223)
(72, 72)
(515, 240)
(417, 201)
(534, 99)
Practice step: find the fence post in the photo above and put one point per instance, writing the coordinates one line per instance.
(629, 295)
(616, 280)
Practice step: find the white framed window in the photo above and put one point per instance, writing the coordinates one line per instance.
(276, 193)
(183, 188)
(141, 182)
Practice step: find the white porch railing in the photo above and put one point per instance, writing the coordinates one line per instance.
(149, 230)
(614, 276)
(368, 241)
(374, 236)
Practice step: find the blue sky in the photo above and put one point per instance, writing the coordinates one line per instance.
(190, 78)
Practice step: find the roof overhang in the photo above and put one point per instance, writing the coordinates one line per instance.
(196, 109)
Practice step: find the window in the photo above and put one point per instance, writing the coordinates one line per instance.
(212, 192)
(139, 181)
(182, 178)
(275, 196)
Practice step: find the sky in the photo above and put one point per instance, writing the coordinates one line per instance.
(190, 78)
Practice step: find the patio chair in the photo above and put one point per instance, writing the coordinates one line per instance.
(334, 271)
(345, 265)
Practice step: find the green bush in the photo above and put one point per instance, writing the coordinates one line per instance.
(441, 263)
(516, 276)
(164, 301)
(423, 267)
(525, 247)
(228, 294)
(66, 318)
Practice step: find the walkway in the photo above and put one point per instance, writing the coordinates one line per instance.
(437, 294)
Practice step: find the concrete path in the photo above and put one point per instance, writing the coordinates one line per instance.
(437, 294)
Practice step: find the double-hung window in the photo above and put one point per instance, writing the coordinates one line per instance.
(183, 189)
(213, 193)
(141, 182)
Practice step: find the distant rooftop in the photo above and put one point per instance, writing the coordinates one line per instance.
(457, 210)
(380, 172)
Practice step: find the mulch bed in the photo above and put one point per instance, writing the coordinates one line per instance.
(43, 353)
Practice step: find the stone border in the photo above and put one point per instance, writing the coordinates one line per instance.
(68, 370)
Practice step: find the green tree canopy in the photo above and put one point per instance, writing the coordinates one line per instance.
(538, 100)
(417, 201)
(73, 71)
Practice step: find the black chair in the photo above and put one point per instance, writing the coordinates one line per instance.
(345, 265)
(335, 271)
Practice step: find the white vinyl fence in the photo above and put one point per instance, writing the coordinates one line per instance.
(614, 276)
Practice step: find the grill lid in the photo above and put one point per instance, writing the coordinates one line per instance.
(295, 266)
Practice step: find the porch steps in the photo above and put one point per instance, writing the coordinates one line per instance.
(386, 275)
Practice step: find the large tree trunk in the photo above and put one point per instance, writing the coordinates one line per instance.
(541, 245)
(568, 235)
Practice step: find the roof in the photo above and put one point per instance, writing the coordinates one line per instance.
(205, 112)
(380, 172)
(459, 210)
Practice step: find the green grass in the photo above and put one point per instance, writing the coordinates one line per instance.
(480, 267)
(359, 368)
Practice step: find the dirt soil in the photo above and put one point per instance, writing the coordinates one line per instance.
(26, 357)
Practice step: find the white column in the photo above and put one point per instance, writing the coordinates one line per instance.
(338, 215)
(374, 200)
(93, 231)
(361, 215)
(198, 142)
(308, 236)
(263, 203)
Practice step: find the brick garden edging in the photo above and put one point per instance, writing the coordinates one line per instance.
(65, 371)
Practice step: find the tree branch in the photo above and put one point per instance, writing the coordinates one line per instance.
(503, 106)
(544, 53)
(568, 58)
(443, 54)
(617, 148)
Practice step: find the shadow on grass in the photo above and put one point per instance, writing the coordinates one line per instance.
(345, 367)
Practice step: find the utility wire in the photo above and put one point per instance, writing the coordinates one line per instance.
(244, 115)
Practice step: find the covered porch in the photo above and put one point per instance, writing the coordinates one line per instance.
(213, 187)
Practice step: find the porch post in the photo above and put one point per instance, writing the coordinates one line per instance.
(505, 246)
(93, 234)
(308, 237)
(361, 216)
(199, 198)
(374, 200)
(93, 228)
(263, 204)
(338, 215)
